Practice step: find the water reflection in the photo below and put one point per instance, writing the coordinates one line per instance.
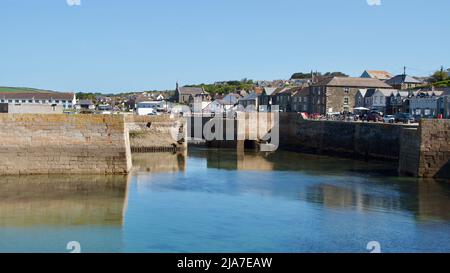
(159, 162)
(337, 183)
(221, 201)
(290, 161)
(434, 200)
(43, 213)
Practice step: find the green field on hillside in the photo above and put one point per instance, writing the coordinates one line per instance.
(23, 90)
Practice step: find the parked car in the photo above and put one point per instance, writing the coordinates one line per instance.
(389, 119)
(374, 116)
(405, 118)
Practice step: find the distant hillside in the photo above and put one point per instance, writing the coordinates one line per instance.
(23, 90)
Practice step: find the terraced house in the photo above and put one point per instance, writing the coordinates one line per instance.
(338, 94)
(300, 100)
(24, 102)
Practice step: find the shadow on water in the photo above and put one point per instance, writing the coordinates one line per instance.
(43, 213)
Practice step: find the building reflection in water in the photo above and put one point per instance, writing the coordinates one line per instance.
(159, 162)
(427, 200)
(339, 183)
(434, 200)
(43, 213)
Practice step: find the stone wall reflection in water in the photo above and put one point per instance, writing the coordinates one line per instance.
(159, 162)
(340, 183)
(221, 201)
(43, 213)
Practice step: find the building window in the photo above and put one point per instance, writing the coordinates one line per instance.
(346, 100)
(30, 101)
(17, 101)
(2, 101)
(23, 101)
(10, 101)
(37, 101)
(346, 90)
(56, 101)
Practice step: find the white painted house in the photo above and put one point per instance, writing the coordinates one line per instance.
(425, 104)
(64, 100)
(380, 99)
(146, 108)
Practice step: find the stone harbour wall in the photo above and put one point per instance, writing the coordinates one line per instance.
(434, 160)
(348, 139)
(409, 152)
(63, 144)
(420, 151)
(157, 133)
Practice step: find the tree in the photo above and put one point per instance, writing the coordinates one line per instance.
(335, 74)
(300, 76)
(87, 96)
(439, 76)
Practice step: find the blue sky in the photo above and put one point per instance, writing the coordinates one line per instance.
(118, 45)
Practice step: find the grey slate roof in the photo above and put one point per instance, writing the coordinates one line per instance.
(353, 82)
(387, 92)
(251, 96)
(363, 92)
(231, 99)
(369, 93)
(85, 102)
(190, 90)
(37, 96)
(401, 79)
(269, 90)
(303, 92)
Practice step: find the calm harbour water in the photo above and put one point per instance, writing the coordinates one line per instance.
(213, 201)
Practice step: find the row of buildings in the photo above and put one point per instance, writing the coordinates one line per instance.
(36, 102)
(46, 103)
(374, 90)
